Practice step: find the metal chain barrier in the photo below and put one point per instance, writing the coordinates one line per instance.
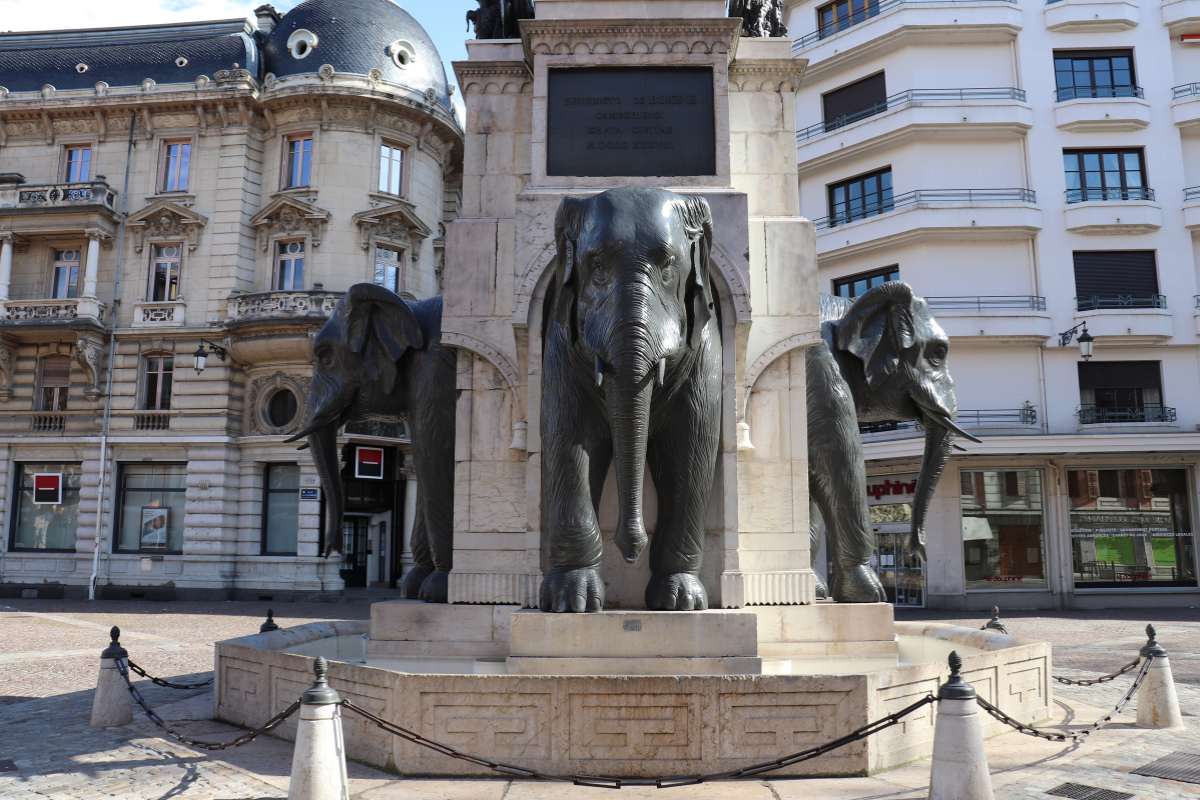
(605, 782)
(201, 744)
(165, 683)
(1074, 736)
(1102, 679)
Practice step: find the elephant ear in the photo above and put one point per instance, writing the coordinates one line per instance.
(878, 328)
(382, 328)
(567, 224)
(696, 216)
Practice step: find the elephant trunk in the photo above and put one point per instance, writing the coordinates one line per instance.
(630, 419)
(938, 441)
(322, 443)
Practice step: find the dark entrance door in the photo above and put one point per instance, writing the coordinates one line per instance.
(354, 550)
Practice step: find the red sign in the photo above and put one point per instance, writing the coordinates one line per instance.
(47, 488)
(368, 463)
(1190, 38)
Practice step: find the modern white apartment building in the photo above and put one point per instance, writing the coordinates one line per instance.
(1030, 168)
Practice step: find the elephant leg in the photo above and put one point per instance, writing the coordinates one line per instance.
(410, 585)
(431, 425)
(682, 456)
(816, 533)
(838, 480)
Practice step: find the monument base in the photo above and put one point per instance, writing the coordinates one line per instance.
(408, 628)
(826, 629)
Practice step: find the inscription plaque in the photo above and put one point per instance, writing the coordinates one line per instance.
(631, 122)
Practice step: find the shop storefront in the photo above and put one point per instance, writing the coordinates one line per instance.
(900, 570)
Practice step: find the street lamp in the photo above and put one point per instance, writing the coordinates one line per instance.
(200, 357)
(1086, 340)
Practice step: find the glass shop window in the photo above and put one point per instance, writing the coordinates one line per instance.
(1131, 528)
(281, 509)
(46, 512)
(151, 500)
(1003, 529)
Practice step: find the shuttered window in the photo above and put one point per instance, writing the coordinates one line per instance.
(1116, 279)
(54, 381)
(1121, 391)
(856, 101)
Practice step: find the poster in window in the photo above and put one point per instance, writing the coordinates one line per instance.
(47, 488)
(154, 527)
(368, 463)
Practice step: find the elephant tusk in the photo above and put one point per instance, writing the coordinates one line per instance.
(662, 371)
(599, 372)
(950, 425)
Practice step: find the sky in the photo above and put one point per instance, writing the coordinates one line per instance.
(445, 20)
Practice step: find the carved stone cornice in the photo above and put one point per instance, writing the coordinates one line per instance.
(164, 219)
(766, 75)
(288, 215)
(397, 222)
(493, 77)
(604, 37)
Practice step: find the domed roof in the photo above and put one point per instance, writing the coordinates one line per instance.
(357, 36)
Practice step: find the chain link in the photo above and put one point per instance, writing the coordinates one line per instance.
(1073, 736)
(606, 782)
(165, 683)
(1102, 679)
(201, 744)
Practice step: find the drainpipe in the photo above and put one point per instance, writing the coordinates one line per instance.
(114, 318)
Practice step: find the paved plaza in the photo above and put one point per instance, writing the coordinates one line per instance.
(47, 749)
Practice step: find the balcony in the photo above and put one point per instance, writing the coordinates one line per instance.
(1185, 104)
(1181, 16)
(28, 317)
(1112, 211)
(1101, 108)
(48, 423)
(960, 111)
(152, 420)
(948, 213)
(1125, 320)
(1141, 415)
(288, 316)
(1064, 16)
(159, 314)
(1191, 207)
(1001, 318)
(53, 196)
(980, 421)
(887, 25)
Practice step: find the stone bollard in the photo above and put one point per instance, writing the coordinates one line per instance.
(960, 769)
(1157, 703)
(269, 625)
(111, 704)
(319, 760)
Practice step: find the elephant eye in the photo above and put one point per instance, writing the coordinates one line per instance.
(600, 274)
(668, 271)
(937, 355)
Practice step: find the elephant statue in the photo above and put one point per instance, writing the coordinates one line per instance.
(380, 358)
(883, 358)
(631, 370)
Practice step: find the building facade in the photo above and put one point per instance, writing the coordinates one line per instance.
(1030, 168)
(207, 188)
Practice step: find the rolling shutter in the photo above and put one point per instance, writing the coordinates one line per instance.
(854, 99)
(1119, 375)
(1115, 272)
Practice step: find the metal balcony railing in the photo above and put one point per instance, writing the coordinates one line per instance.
(1191, 193)
(968, 418)
(1095, 415)
(927, 197)
(1185, 90)
(910, 97)
(1100, 302)
(1110, 195)
(984, 303)
(873, 8)
(1080, 92)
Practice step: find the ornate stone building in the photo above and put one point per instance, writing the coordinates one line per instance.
(210, 188)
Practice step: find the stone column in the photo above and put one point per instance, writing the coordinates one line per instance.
(91, 266)
(408, 521)
(6, 253)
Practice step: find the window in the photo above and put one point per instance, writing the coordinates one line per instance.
(298, 162)
(282, 408)
(854, 102)
(177, 158)
(78, 164)
(864, 196)
(1002, 527)
(66, 274)
(39, 525)
(289, 267)
(281, 509)
(391, 169)
(164, 272)
(151, 503)
(1131, 527)
(1099, 73)
(54, 380)
(1116, 279)
(156, 383)
(1105, 175)
(854, 285)
(841, 14)
(1121, 392)
(388, 262)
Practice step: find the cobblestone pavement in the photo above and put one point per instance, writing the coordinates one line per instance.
(48, 670)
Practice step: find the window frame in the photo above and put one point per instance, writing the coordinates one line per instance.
(65, 168)
(155, 260)
(1083, 191)
(164, 176)
(1063, 94)
(849, 280)
(40, 386)
(144, 386)
(402, 263)
(885, 198)
(286, 163)
(1044, 501)
(277, 259)
(14, 515)
(858, 115)
(265, 513)
(404, 151)
(870, 8)
(118, 512)
(54, 250)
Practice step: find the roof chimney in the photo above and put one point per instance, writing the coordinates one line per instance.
(267, 18)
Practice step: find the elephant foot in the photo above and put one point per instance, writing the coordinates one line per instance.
(435, 588)
(822, 591)
(574, 590)
(410, 584)
(857, 583)
(676, 591)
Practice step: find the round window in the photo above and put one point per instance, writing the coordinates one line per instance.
(402, 53)
(282, 408)
(301, 43)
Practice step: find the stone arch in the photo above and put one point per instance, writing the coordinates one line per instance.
(493, 355)
(755, 370)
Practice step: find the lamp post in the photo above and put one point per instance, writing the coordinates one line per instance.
(1087, 342)
(200, 357)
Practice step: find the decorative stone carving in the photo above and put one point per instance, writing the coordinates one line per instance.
(101, 88)
(8, 365)
(694, 36)
(397, 223)
(766, 75)
(149, 84)
(164, 220)
(260, 394)
(287, 215)
(494, 78)
(89, 353)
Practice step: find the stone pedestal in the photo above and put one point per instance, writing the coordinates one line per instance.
(408, 628)
(849, 631)
(635, 643)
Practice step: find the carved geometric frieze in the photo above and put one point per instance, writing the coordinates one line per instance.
(507, 725)
(635, 727)
(766, 75)
(630, 37)
(164, 219)
(287, 215)
(397, 223)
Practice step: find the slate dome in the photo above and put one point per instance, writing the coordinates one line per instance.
(357, 36)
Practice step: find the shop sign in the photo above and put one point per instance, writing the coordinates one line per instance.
(47, 488)
(891, 489)
(368, 463)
